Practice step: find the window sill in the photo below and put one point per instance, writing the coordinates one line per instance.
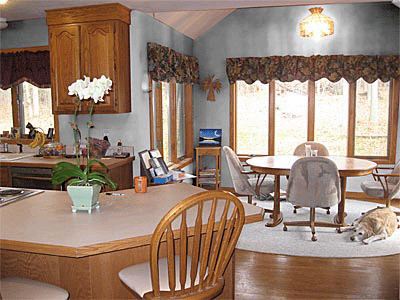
(181, 164)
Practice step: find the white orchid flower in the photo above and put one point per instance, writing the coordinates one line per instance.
(105, 83)
(86, 89)
(72, 89)
(86, 79)
(78, 88)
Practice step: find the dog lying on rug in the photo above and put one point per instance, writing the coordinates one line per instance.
(376, 224)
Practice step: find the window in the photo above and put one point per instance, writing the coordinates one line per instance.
(252, 125)
(24, 102)
(356, 120)
(372, 118)
(331, 115)
(6, 121)
(291, 115)
(171, 121)
(32, 104)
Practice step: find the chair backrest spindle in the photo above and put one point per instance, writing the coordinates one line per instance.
(183, 250)
(171, 258)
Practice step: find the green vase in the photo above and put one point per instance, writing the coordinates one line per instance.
(84, 197)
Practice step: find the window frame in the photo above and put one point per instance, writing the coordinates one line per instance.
(156, 124)
(15, 102)
(394, 93)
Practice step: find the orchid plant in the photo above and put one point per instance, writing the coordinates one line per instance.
(65, 171)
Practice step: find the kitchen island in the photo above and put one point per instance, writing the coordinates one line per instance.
(42, 239)
(35, 172)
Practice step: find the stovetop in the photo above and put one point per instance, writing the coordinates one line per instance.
(9, 194)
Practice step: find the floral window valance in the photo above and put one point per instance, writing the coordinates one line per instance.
(165, 64)
(17, 67)
(332, 67)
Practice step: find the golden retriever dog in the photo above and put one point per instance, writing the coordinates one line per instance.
(376, 224)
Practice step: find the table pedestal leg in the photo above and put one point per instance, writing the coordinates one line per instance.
(276, 216)
(339, 218)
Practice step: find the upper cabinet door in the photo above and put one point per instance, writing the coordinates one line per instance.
(92, 41)
(98, 59)
(65, 65)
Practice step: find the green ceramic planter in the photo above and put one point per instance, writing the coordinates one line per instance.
(84, 197)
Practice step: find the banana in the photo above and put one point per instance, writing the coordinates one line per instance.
(39, 140)
(34, 143)
(42, 139)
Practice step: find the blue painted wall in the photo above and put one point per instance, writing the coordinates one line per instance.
(22, 34)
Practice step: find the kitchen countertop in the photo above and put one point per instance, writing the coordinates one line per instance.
(44, 223)
(11, 156)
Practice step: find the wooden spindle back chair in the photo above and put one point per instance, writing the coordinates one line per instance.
(199, 235)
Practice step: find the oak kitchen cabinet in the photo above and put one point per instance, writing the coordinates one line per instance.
(91, 41)
(35, 172)
(5, 178)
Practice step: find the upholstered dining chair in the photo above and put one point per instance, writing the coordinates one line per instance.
(385, 185)
(245, 181)
(301, 149)
(23, 288)
(195, 271)
(313, 182)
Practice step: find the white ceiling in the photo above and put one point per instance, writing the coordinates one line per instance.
(190, 17)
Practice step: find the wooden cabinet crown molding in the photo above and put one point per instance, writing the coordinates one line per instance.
(91, 13)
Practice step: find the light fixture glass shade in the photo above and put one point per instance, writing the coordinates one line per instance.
(316, 25)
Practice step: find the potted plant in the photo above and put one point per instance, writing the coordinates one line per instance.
(83, 184)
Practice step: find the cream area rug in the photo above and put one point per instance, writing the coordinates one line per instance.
(296, 240)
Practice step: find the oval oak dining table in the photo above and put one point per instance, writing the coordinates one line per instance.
(280, 165)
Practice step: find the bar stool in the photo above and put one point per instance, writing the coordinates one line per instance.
(23, 288)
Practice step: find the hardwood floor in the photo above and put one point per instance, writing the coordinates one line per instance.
(270, 276)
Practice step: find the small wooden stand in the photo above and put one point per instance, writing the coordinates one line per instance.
(210, 176)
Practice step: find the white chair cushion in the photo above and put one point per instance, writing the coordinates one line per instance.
(374, 188)
(138, 277)
(22, 288)
(244, 184)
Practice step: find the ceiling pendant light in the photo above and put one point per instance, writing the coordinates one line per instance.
(316, 25)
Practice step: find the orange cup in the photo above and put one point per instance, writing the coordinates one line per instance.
(140, 184)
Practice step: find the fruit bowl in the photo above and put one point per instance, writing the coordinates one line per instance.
(52, 149)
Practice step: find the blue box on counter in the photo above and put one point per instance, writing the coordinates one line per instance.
(161, 179)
